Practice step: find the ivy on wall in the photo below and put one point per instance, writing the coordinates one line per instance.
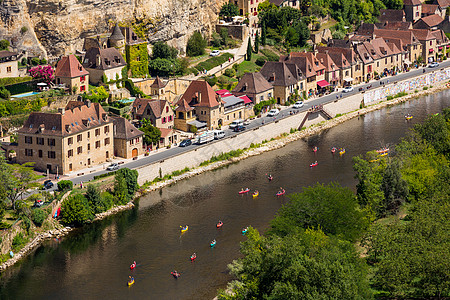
(137, 59)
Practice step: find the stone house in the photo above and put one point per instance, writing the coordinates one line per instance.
(159, 112)
(71, 73)
(429, 44)
(247, 7)
(332, 71)
(9, 66)
(432, 9)
(157, 88)
(103, 62)
(255, 86)
(283, 3)
(77, 137)
(432, 22)
(128, 140)
(233, 109)
(413, 10)
(392, 15)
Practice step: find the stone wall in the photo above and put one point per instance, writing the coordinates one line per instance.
(239, 32)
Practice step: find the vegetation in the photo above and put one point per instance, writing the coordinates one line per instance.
(165, 62)
(14, 80)
(20, 106)
(258, 107)
(213, 62)
(248, 57)
(38, 216)
(228, 11)
(152, 134)
(75, 211)
(98, 94)
(65, 185)
(196, 45)
(137, 59)
(4, 45)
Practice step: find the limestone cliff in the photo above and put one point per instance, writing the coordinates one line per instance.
(57, 27)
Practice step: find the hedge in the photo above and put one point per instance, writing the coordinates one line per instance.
(213, 62)
(14, 80)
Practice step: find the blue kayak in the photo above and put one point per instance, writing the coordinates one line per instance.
(213, 243)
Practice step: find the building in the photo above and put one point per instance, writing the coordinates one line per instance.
(101, 63)
(413, 10)
(75, 138)
(255, 86)
(285, 77)
(233, 109)
(392, 15)
(432, 9)
(247, 7)
(283, 3)
(429, 44)
(159, 112)
(71, 73)
(332, 71)
(128, 140)
(157, 88)
(431, 22)
(9, 66)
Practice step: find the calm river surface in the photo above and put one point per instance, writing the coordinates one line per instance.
(93, 263)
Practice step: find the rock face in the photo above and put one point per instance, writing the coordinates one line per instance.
(57, 27)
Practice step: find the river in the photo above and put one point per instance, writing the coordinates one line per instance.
(93, 262)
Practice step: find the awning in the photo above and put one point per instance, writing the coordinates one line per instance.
(431, 50)
(323, 83)
(246, 99)
(197, 124)
(440, 48)
(348, 79)
(448, 46)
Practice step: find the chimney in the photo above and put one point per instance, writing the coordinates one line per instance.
(62, 111)
(199, 97)
(87, 103)
(1, 130)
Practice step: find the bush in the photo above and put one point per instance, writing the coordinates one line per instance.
(213, 62)
(425, 88)
(4, 45)
(43, 61)
(93, 197)
(4, 93)
(260, 61)
(270, 55)
(230, 72)
(65, 185)
(212, 80)
(18, 242)
(75, 211)
(35, 61)
(196, 45)
(23, 30)
(107, 200)
(38, 216)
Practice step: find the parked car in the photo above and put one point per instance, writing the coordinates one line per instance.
(247, 122)
(48, 184)
(348, 89)
(214, 53)
(433, 65)
(235, 123)
(38, 203)
(218, 134)
(185, 143)
(273, 112)
(113, 167)
(298, 104)
(239, 128)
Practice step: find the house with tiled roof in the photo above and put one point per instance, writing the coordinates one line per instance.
(255, 86)
(394, 25)
(75, 138)
(391, 15)
(104, 62)
(72, 74)
(410, 42)
(159, 112)
(128, 140)
(443, 43)
(157, 88)
(413, 10)
(429, 43)
(331, 68)
(432, 9)
(285, 77)
(9, 65)
(431, 22)
(349, 62)
(443, 4)
(285, 3)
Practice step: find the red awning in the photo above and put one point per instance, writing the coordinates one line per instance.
(246, 99)
(440, 48)
(322, 83)
(431, 50)
(448, 46)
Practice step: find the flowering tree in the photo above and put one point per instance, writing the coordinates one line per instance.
(44, 73)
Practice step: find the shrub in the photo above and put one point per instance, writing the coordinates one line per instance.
(38, 216)
(270, 55)
(196, 45)
(24, 61)
(35, 61)
(18, 242)
(260, 61)
(65, 185)
(23, 30)
(4, 93)
(4, 45)
(107, 200)
(212, 80)
(43, 61)
(213, 62)
(230, 72)
(93, 198)
(75, 211)
(425, 88)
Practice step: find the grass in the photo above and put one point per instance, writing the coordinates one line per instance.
(247, 67)
(166, 177)
(213, 62)
(223, 156)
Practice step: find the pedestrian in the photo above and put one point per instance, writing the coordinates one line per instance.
(81, 184)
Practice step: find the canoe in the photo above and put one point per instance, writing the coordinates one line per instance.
(281, 193)
(244, 231)
(184, 229)
(315, 149)
(384, 150)
(408, 117)
(212, 244)
(244, 191)
(333, 149)
(131, 282)
(132, 266)
(255, 194)
(220, 224)
(342, 152)
(313, 164)
(175, 275)
(270, 178)
(193, 257)
(383, 154)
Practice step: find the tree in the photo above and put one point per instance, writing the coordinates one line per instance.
(435, 131)
(130, 177)
(228, 11)
(161, 67)
(263, 32)
(99, 94)
(152, 134)
(249, 50)
(4, 44)
(75, 211)
(4, 93)
(93, 198)
(162, 50)
(257, 42)
(65, 185)
(38, 217)
(196, 45)
(394, 187)
(120, 189)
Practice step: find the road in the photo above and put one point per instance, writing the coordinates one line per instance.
(155, 157)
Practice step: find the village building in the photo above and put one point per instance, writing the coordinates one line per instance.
(159, 112)
(9, 66)
(413, 10)
(103, 64)
(431, 22)
(284, 3)
(429, 44)
(255, 86)
(332, 71)
(157, 88)
(72, 75)
(391, 15)
(128, 140)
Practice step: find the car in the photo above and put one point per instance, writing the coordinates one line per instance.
(348, 89)
(273, 112)
(247, 122)
(113, 167)
(298, 104)
(433, 65)
(215, 53)
(38, 203)
(239, 128)
(185, 143)
(48, 184)
(235, 123)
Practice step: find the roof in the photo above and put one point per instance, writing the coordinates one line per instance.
(156, 106)
(343, 57)
(440, 36)
(277, 2)
(280, 73)
(327, 61)
(131, 38)
(412, 2)
(381, 47)
(303, 64)
(252, 83)
(116, 33)
(315, 63)
(391, 15)
(6, 53)
(432, 20)
(429, 9)
(246, 99)
(366, 29)
(407, 36)
(394, 25)
(165, 132)
(364, 54)
(232, 101)
(70, 67)
(72, 121)
(443, 3)
(103, 59)
(123, 129)
(223, 92)
(158, 84)
(423, 34)
(183, 106)
(200, 93)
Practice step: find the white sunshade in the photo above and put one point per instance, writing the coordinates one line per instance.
(348, 79)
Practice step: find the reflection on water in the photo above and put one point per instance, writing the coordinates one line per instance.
(94, 261)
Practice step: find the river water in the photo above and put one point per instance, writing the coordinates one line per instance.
(93, 262)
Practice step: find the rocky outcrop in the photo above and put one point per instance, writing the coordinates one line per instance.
(57, 27)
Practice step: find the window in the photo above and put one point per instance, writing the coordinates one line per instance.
(80, 150)
(89, 147)
(167, 109)
(8, 70)
(89, 134)
(131, 142)
(79, 138)
(369, 69)
(164, 120)
(385, 61)
(82, 88)
(70, 141)
(51, 154)
(106, 141)
(28, 152)
(137, 140)
(97, 144)
(40, 153)
(40, 141)
(51, 142)
(82, 78)
(97, 132)
(431, 43)
(170, 118)
(261, 98)
(70, 153)
(106, 129)
(28, 140)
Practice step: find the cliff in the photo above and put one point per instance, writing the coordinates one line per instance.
(57, 27)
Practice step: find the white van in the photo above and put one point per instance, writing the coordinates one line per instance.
(236, 123)
(205, 137)
(218, 134)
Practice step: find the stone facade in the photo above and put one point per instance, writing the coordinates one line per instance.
(8, 64)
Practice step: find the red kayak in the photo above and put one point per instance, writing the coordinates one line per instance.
(220, 224)
(193, 257)
(175, 274)
(244, 191)
(315, 149)
(333, 149)
(281, 193)
(133, 265)
(313, 164)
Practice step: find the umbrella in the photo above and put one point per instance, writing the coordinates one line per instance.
(41, 84)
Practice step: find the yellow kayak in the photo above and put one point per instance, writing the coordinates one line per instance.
(184, 229)
(408, 117)
(342, 152)
(131, 282)
(255, 194)
(384, 154)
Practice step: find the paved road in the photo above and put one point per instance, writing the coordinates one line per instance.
(155, 157)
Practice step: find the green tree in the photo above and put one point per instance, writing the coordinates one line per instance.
(120, 189)
(152, 134)
(228, 11)
(38, 216)
(65, 185)
(257, 42)
(162, 50)
(394, 187)
(435, 130)
(4, 44)
(196, 45)
(131, 177)
(75, 211)
(4, 93)
(99, 94)
(249, 50)
(263, 32)
(161, 67)
(93, 198)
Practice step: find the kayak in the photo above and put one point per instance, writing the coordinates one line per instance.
(175, 274)
(133, 265)
(408, 117)
(131, 282)
(244, 191)
(213, 243)
(333, 149)
(383, 154)
(384, 150)
(220, 224)
(184, 229)
(281, 193)
(270, 177)
(315, 149)
(255, 194)
(313, 164)
(193, 257)
(342, 152)
(244, 231)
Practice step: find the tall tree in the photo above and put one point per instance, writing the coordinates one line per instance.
(257, 42)
(93, 198)
(263, 32)
(162, 50)
(75, 211)
(249, 49)
(196, 45)
(152, 134)
(228, 11)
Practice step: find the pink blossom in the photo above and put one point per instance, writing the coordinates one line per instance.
(44, 73)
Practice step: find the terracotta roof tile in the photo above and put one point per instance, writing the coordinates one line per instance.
(109, 58)
(423, 34)
(412, 2)
(123, 129)
(281, 73)
(432, 20)
(429, 9)
(391, 15)
(200, 93)
(252, 83)
(70, 67)
(158, 83)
